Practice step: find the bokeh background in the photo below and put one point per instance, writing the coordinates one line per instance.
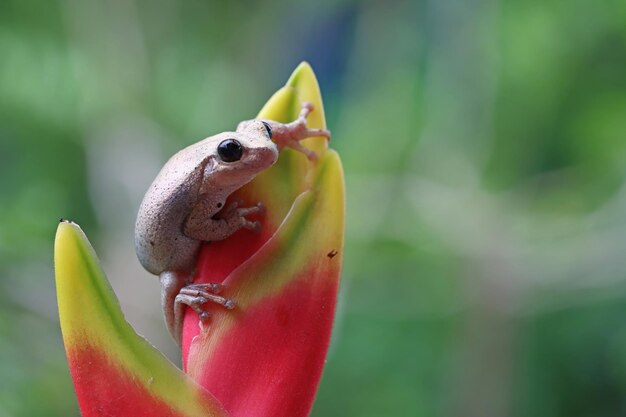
(484, 143)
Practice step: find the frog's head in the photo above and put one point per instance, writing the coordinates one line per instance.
(239, 156)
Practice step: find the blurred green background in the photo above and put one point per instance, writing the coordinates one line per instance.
(484, 143)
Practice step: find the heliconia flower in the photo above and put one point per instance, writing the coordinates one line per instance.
(265, 357)
(115, 371)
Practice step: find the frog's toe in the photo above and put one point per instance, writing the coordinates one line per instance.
(198, 295)
(255, 226)
(306, 109)
(212, 287)
(318, 132)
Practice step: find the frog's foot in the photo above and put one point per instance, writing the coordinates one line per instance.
(195, 296)
(235, 216)
(289, 135)
(227, 222)
(212, 287)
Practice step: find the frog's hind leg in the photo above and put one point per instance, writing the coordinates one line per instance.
(212, 287)
(172, 282)
(195, 296)
(199, 291)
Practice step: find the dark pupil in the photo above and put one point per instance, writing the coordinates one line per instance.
(230, 150)
(268, 128)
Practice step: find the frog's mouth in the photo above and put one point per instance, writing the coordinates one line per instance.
(262, 157)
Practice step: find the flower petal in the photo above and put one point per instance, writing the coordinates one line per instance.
(265, 358)
(115, 371)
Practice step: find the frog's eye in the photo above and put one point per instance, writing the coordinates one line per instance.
(230, 150)
(268, 128)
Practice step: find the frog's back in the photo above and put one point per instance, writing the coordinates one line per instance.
(160, 242)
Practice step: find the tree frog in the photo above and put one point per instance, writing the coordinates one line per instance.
(184, 206)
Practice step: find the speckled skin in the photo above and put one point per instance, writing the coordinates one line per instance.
(191, 188)
(184, 206)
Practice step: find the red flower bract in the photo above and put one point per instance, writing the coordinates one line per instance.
(115, 371)
(265, 358)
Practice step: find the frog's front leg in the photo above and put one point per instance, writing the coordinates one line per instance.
(290, 134)
(201, 226)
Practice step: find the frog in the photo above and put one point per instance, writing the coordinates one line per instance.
(185, 207)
